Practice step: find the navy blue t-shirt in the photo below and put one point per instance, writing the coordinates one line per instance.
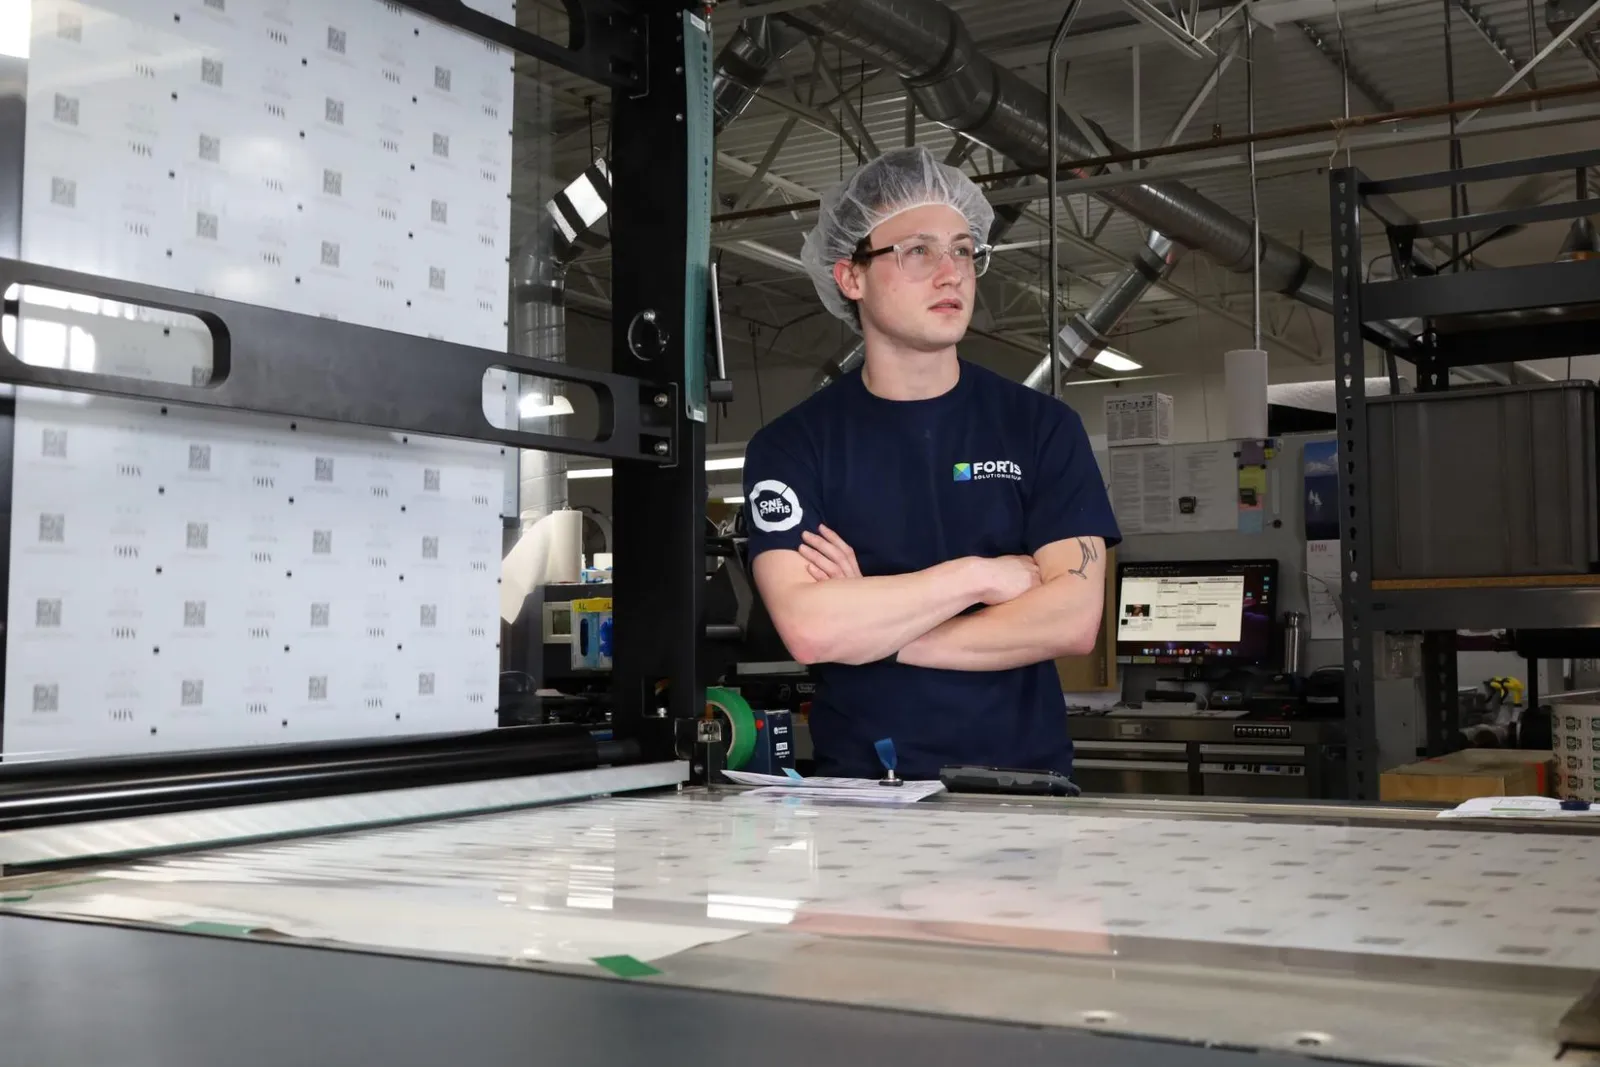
(990, 468)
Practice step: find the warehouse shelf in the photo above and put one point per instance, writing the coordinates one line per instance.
(1471, 315)
(1538, 285)
(1486, 604)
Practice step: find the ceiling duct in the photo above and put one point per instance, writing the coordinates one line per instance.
(959, 87)
(1086, 334)
(744, 63)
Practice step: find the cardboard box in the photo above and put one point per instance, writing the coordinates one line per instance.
(1474, 772)
(1096, 672)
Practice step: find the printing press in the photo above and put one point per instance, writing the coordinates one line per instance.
(491, 895)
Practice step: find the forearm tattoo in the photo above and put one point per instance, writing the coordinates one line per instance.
(1090, 553)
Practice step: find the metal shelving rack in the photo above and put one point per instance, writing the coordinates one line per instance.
(1472, 318)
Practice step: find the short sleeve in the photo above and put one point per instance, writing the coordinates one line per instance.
(1068, 495)
(782, 494)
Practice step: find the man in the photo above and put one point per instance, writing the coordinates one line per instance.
(928, 534)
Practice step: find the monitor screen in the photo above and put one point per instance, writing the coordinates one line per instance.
(1217, 611)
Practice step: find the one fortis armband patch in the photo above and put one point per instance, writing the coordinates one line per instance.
(773, 507)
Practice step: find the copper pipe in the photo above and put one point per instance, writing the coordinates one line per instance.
(1335, 125)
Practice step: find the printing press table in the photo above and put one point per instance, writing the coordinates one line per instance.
(795, 932)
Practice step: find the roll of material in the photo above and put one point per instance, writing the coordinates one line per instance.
(1245, 376)
(740, 722)
(550, 551)
(1575, 731)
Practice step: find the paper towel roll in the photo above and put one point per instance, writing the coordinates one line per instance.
(1245, 375)
(550, 551)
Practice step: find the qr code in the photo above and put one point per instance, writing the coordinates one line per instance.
(441, 145)
(335, 40)
(441, 212)
(430, 479)
(333, 110)
(194, 614)
(194, 692)
(330, 258)
(430, 615)
(436, 278)
(47, 614)
(430, 548)
(210, 148)
(319, 616)
(205, 225)
(198, 535)
(321, 542)
(54, 445)
(52, 529)
(317, 687)
(425, 684)
(69, 25)
(324, 468)
(47, 698)
(66, 109)
(211, 71)
(64, 191)
(441, 78)
(200, 457)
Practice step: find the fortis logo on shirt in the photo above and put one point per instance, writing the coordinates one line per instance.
(988, 468)
(774, 507)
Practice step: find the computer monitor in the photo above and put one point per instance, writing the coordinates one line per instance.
(1198, 611)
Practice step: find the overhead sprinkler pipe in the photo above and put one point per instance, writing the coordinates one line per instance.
(1052, 177)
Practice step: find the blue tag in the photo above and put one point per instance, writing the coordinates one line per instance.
(792, 773)
(886, 754)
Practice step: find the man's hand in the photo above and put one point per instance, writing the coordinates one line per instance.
(1008, 577)
(827, 555)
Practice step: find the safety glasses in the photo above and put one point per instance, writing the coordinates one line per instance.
(919, 256)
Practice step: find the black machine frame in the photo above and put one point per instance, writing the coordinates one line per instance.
(268, 361)
(1473, 317)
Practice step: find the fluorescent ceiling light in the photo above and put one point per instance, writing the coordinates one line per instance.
(537, 405)
(733, 500)
(721, 463)
(1111, 359)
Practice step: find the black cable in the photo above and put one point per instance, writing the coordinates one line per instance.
(755, 367)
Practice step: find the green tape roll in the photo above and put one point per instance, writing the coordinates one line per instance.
(741, 725)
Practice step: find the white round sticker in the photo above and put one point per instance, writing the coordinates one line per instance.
(773, 507)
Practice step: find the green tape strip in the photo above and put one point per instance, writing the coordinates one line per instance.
(741, 725)
(22, 896)
(626, 966)
(218, 929)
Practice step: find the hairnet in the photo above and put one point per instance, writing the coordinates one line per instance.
(897, 181)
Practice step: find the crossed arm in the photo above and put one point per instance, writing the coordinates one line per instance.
(1035, 608)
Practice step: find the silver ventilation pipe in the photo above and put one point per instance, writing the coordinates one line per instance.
(1084, 335)
(567, 228)
(744, 63)
(959, 87)
(539, 330)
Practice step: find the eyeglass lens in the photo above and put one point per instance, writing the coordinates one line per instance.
(920, 257)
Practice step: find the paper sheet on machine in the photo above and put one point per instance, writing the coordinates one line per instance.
(857, 790)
